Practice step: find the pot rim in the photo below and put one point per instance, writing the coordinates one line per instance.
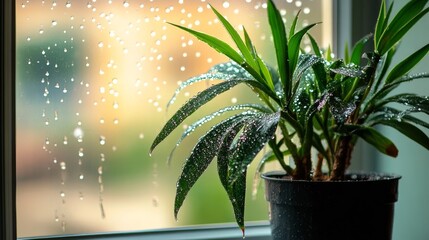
(373, 177)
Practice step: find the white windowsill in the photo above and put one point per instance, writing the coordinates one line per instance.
(254, 231)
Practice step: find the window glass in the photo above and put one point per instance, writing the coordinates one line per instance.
(93, 81)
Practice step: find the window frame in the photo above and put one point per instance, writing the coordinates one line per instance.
(345, 13)
(7, 129)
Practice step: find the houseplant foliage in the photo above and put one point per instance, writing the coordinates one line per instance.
(310, 102)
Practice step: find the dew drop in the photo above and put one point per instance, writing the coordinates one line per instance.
(63, 226)
(102, 140)
(54, 23)
(78, 133)
(81, 152)
(155, 201)
(306, 10)
(68, 4)
(63, 166)
(115, 105)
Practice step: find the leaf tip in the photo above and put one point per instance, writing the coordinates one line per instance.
(392, 151)
(243, 230)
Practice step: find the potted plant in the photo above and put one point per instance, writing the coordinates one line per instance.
(313, 109)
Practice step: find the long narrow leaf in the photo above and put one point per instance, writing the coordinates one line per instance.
(409, 130)
(203, 153)
(405, 15)
(386, 89)
(386, 61)
(305, 62)
(420, 103)
(249, 43)
(237, 39)
(380, 22)
(191, 106)
(315, 46)
(280, 43)
(396, 30)
(222, 71)
(406, 65)
(294, 22)
(376, 139)
(389, 114)
(294, 46)
(253, 138)
(237, 191)
(265, 72)
(358, 48)
(253, 108)
(215, 43)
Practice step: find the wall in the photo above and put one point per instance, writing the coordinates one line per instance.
(412, 213)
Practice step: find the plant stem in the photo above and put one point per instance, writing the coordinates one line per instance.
(342, 157)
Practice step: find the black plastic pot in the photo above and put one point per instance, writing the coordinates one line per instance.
(360, 207)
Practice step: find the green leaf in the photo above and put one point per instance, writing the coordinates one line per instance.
(237, 39)
(294, 46)
(201, 156)
(341, 111)
(379, 28)
(191, 106)
(386, 89)
(265, 72)
(237, 191)
(409, 130)
(191, 128)
(270, 157)
(280, 43)
(386, 61)
(328, 54)
(305, 62)
(215, 43)
(315, 46)
(301, 95)
(358, 48)
(249, 43)
(293, 26)
(403, 21)
(408, 78)
(222, 71)
(349, 71)
(388, 114)
(320, 76)
(237, 196)
(417, 103)
(255, 135)
(346, 53)
(406, 65)
(376, 139)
